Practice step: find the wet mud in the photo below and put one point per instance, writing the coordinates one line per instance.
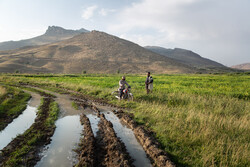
(87, 146)
(65, 139)
(127, 136)
(116, 153)
(149, 144)
(18, 126)
(5, 119)
(34, 102)
(106, 149)
(30, 157)
(63, 100)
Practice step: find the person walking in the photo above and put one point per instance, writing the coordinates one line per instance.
(149, 83)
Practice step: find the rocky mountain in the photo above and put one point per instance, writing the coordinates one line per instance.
(186, 57)
(245, 66)
(53, 34)
(94, 52)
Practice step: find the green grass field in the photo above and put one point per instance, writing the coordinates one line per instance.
(200, 120)
(12, 103)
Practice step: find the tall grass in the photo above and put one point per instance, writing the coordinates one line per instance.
(202, 131)
(201, 120)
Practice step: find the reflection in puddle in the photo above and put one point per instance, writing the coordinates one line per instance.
(18, 126)
(94, 120)
(135, 150)
(65, 139)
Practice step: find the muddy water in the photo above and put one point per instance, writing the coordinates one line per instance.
(127, 136)
(65, 139)
(94, 120)
(59, 154)
(18, 126)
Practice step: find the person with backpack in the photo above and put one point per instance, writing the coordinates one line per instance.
(149, 83)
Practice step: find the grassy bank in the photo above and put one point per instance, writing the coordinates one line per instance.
(30, 142)
(201, 120)
(12, 103)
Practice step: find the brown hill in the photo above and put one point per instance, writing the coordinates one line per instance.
(53, 34)
(191, 59)
(94, 52)
(185, 56)
(245, 66)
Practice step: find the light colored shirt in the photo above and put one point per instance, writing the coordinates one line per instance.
(122, 84)
(149, 80)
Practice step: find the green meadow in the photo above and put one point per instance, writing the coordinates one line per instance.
(199, 119)
(12, 103)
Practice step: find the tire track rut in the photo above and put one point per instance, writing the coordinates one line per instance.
(106, 149)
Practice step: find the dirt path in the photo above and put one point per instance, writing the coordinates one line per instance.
(106, 149)
(35, 100)
(64, 101)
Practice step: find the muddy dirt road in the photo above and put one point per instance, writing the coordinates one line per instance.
(95, 134)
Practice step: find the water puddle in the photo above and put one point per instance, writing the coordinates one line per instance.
(94, 120)
(18, 126)
(65, 139)
(127, 136)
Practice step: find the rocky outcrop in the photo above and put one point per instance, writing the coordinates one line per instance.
(52, 34)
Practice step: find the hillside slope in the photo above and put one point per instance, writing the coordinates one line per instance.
(185, 56)
(53, 34)
(94, 52)
(245, 66)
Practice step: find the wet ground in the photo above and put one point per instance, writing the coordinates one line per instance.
(127, 136)
(18, 126)
(66, 137)
(103, 137)
(65, 103)
(22, 122)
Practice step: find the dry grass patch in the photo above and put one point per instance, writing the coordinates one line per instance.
(2, 90)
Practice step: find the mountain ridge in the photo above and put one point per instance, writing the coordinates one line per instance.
(52, 34)
(94, 52)
(98, 52)
(244, 66)
(185, 56)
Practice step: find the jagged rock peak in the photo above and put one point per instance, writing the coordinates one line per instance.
(56, 30)
(98, 32)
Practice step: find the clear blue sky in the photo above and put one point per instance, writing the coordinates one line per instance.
(215, 29)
